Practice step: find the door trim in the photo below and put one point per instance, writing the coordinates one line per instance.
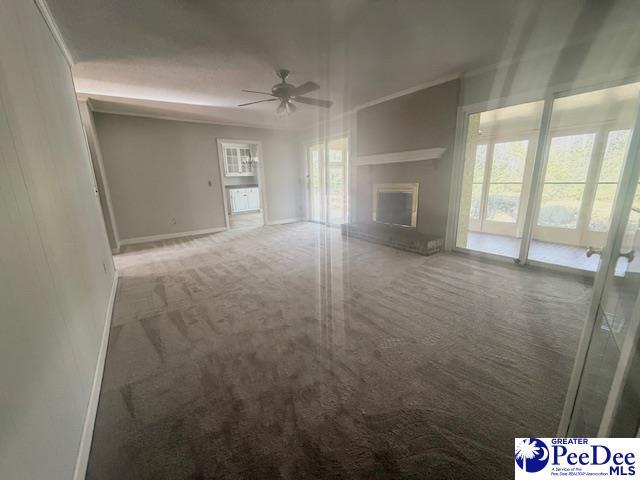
(262, 184)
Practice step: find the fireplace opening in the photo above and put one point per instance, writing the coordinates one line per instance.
(395, 204)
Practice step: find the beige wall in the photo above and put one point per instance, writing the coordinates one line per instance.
(159, 170)
(56, 271)
(423, 119)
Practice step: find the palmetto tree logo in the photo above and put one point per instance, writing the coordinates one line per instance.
(531, 454)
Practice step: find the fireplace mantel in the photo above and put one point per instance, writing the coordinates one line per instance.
(399, 157)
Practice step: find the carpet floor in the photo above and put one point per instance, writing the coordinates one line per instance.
(289, 352)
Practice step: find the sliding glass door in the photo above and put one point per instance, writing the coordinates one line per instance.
(556, 182)
(327, 180)
(317, 189)
(504, 186)
(336, 181)
(497, 174)
(604, 394)
(587, 142)
(564, 217)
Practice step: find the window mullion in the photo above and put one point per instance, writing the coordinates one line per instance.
(591, 183)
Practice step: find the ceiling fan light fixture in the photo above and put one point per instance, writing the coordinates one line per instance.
(288, 94)
(282, 109)
(285, 108)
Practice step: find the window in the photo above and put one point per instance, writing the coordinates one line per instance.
(505, 185)
(614, 155)
(565, 179)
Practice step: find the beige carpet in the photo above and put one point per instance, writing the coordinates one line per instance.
(286, 352)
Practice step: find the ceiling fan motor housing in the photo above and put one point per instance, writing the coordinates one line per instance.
(283, 89)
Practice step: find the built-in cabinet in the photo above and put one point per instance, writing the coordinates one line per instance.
(244, 199)
(238, 160)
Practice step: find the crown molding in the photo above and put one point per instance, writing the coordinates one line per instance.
(185, 119)
(408, 91)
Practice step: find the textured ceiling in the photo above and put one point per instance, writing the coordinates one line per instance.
(202, 53)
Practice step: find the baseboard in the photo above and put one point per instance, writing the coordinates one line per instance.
(285, 220)
(169, 236)
(82, 460)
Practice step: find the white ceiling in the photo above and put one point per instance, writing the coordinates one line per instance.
(193, 57)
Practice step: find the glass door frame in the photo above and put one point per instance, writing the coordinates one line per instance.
(541, 146)
(493, 226)
(627, 184)
(609, 257)
(324, 166)
(582, 234)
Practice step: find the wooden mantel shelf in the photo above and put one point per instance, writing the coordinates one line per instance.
(398, 157)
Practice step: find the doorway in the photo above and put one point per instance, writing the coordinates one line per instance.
(327, 181)
(241, 177)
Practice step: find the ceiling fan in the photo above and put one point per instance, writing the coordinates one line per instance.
(287, 94)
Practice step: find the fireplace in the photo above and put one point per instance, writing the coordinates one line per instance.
(387, 197)
(395, 204)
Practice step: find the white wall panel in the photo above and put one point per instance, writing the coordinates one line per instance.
(56, 270)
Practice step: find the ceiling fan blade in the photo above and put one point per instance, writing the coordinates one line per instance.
(261, 93)
(259, 101)
(305, 88)
(314, 101)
